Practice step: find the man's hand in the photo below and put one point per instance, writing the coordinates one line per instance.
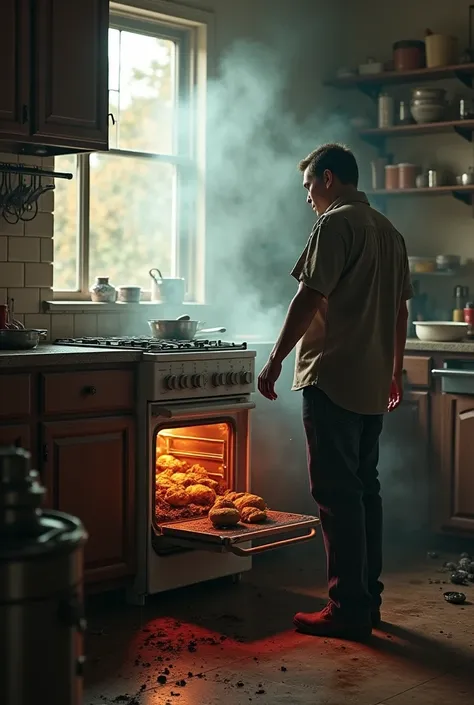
(267, 378)
(396, 392)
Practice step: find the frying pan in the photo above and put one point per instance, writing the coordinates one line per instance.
(180, 329)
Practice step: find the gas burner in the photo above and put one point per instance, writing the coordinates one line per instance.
(151, 344)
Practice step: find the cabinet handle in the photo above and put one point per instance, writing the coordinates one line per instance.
(89, 390)
(112, 119)
(45, 452)
(24, 114)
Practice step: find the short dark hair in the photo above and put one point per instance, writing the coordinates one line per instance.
(334, 157)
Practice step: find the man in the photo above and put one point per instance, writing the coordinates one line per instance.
(349, 319)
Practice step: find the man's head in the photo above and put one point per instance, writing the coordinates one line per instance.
(329, 172)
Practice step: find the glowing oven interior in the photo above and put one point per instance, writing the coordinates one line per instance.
(194, 464)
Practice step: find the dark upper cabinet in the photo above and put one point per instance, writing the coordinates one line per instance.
(71, 60)
(15, 75)
(54, 91)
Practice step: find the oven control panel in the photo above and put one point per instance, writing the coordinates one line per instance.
(182, 376)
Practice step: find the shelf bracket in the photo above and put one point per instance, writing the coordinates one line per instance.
(464, 132)
(370, 89)
(463, 196)
(465, 78)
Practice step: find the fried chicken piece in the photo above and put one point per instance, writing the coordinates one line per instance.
(169, 462)
(179, 477)
(198, 470)
(222, 502)
(200, 494)
(162, 480)
(224, 516)
(209, 482)
(234, 495)
(253, 515)
(250, 500)
(177, 496)
(222, 486)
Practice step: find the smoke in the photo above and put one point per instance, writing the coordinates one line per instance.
(257, 218)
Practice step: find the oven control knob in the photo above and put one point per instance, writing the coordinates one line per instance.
(184, 381)
(233, 378)
(218, 379)
(198, 381)
(170, 382)
(246, 378)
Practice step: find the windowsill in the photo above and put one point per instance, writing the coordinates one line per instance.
(118, 307)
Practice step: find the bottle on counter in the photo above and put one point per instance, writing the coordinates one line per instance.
(460, 296)
(469, 318)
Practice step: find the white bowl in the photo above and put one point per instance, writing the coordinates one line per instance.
(440, 331)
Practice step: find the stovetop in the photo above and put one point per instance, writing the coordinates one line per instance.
(152, 345)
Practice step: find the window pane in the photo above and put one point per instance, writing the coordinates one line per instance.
(132, 223)
(65, 226)
(147, 90)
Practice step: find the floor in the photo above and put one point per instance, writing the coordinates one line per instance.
(234, 644)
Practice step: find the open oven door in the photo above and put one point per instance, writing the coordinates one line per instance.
(200, 534)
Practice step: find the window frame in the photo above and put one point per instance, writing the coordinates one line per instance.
(185, 157)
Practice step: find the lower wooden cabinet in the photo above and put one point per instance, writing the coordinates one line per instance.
(89, 470)
(457, 463)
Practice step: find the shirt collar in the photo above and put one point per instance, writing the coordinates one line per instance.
(358, 197)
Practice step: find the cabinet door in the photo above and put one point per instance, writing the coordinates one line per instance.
(15, 73)
(89, 469)
(457, 463)
(404, 465)
(71, 82)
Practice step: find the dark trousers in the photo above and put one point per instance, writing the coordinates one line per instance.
(343, 452)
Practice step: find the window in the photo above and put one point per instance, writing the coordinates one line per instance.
(135, 207)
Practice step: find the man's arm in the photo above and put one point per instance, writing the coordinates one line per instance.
(400, 338)
(301, 312)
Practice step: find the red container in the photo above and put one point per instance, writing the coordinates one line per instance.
(409, 55)
(469, 318)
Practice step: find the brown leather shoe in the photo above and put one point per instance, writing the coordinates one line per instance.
(329, 623)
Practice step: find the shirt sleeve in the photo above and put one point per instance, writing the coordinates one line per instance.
(323, 260)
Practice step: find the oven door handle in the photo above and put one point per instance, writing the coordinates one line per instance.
(233, 548)
(452, 373)
(175, 411)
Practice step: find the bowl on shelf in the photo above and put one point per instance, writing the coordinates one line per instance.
(440, 331)
(448, 262)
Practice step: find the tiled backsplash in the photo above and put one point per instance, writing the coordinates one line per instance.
(26, 256)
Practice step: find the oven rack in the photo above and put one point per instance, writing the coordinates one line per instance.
(200, 534)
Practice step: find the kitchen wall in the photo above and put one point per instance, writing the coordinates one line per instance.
(299, 38)
(431, 225)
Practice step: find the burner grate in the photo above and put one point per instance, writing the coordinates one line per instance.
(147, 344)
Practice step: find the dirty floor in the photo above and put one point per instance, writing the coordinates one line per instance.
(230, 644)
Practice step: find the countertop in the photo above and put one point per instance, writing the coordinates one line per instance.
(45, 355)
(422, 345)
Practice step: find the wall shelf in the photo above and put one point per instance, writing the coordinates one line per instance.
(462, 193)
(372, 83)
(376, 135)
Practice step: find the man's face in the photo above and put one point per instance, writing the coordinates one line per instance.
(318, 191)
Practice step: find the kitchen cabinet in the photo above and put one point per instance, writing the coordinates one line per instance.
(89, 472)
(15, 77)
(15, 435)
(54, 84)
(457, 463)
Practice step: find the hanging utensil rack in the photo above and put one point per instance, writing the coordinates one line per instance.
(20, 188)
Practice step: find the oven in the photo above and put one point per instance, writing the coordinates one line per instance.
(197, 449)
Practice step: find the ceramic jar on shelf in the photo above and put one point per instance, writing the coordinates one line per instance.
(428, 105)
